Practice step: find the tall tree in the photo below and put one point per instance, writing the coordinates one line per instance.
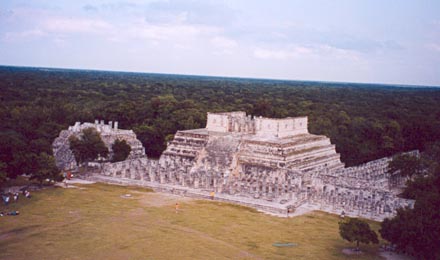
(416, 231)
(88, 146)
(407, 165)
(121, 150)
(3, 173)
(356, 230)
(46, 168)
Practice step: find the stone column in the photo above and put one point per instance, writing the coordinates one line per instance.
(196, 183)
(76, 126)
(182, 180)
(162, 179)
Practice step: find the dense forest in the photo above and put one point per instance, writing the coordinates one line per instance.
(365, 121)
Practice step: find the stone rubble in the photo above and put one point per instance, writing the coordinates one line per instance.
(109, 134)
(273, 165)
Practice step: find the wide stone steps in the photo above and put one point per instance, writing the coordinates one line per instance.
(313, 163)
(316, 152)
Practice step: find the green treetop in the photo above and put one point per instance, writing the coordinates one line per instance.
(88, 146)
(356, 230)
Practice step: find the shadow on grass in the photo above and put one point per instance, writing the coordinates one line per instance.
(16, 234)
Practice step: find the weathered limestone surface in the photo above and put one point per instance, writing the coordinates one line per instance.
(109, 134)
(270, 164)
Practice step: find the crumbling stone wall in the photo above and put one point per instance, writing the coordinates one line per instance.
(141, 169)
(371, 204)
(64, 157)
(284, 127)
(110, 132)
(373, 175)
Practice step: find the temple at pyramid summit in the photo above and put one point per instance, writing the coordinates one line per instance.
(274, 165)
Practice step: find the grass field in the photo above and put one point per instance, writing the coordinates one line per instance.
(98, 222)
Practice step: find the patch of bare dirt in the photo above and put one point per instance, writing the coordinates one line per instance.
(136, 212)
(159, 199)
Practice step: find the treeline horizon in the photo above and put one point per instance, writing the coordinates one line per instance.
(364, 121)
(216, 77)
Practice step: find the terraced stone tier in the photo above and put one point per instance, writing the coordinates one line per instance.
(305, 152)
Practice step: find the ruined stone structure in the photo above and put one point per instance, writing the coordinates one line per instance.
(109, 133)
(237, 154)
(270, 164)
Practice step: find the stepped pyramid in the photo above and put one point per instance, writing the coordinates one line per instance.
(233, 142)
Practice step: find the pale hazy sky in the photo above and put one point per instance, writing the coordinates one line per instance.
(330, 40)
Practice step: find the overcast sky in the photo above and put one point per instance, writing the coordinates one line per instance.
(395, 42)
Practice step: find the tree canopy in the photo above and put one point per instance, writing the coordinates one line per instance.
(121, 150)
(3, 173)
(46, 168)
(416, 231)
(406, 165)
(88, 146)
(364, 121)
(356, 230)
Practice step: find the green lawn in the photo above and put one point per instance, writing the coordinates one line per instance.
(97, 222)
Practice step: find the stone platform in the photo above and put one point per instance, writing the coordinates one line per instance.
(267, 207)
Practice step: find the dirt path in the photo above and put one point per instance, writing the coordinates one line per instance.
(80, 181)
(73, 181)
(154, 199)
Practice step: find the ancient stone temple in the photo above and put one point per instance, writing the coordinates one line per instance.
(109, 134)
(274, 165)
(238, 154)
